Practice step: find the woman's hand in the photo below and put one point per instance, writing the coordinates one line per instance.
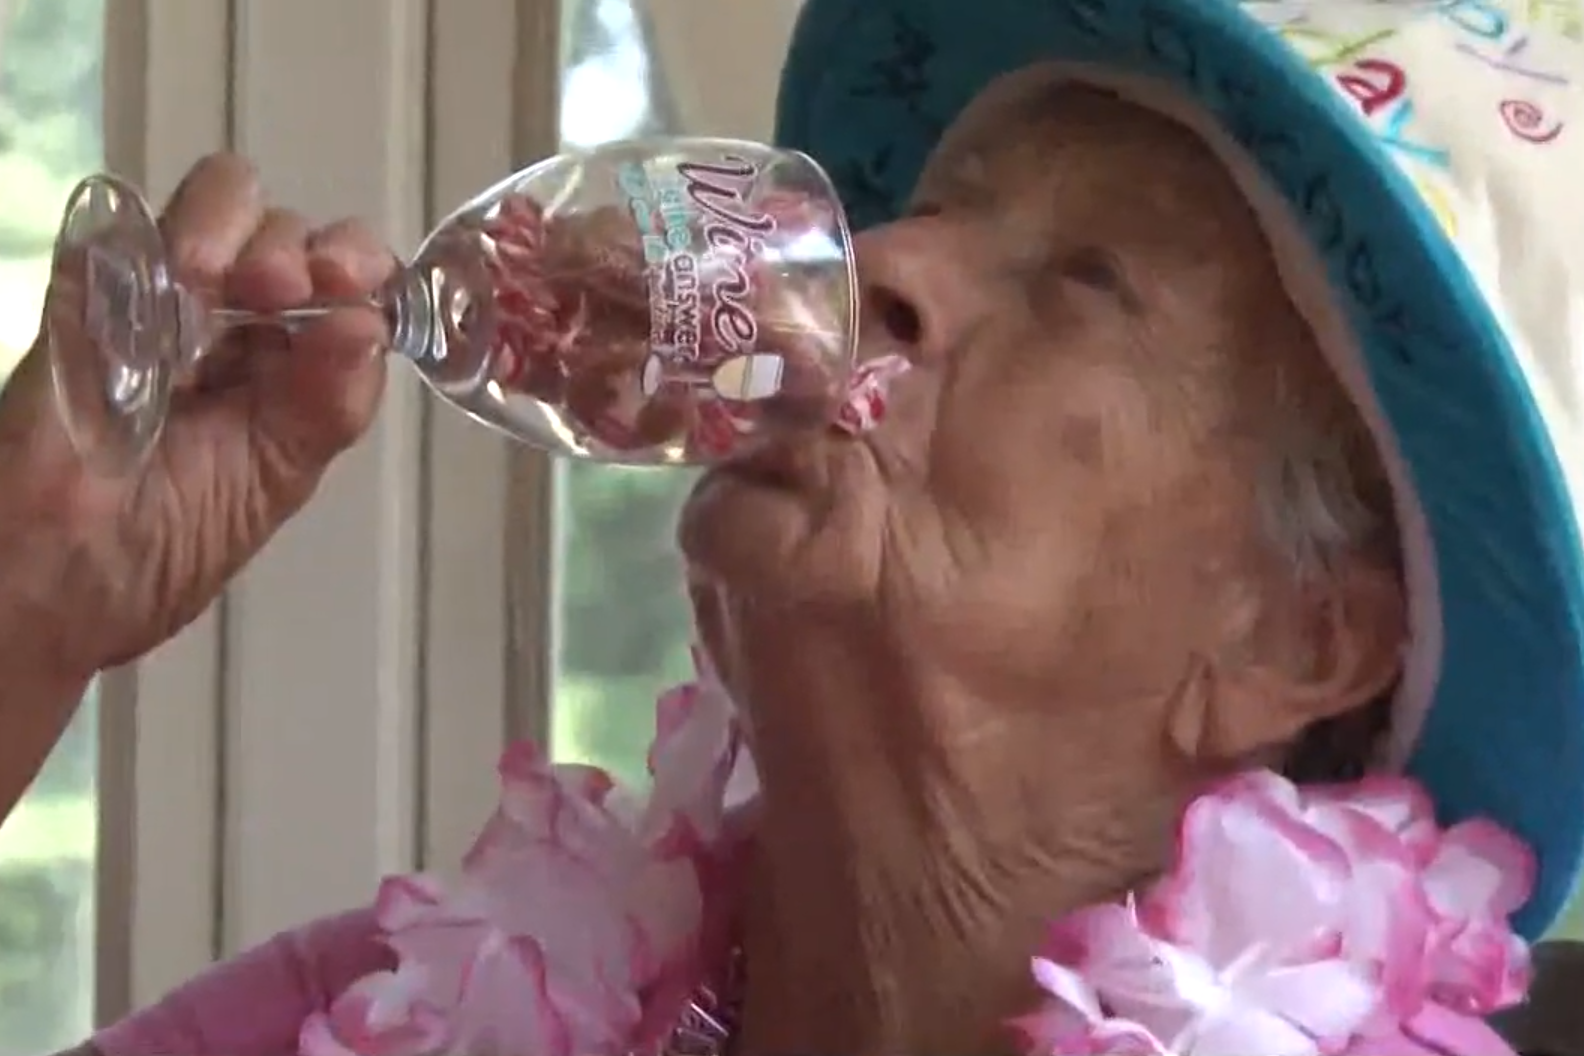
(119, 565)
(96, 570)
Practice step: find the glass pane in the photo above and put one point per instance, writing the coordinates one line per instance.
(623, 624)
(51, 68)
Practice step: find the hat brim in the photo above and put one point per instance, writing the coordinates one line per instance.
(869, 87)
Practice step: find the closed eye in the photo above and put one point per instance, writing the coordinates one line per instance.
(1100, 270)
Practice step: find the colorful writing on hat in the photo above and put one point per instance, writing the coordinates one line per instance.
(1386, 64)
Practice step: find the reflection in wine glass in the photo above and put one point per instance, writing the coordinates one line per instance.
(744, 379)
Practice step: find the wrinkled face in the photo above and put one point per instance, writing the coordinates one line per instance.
(1062, 498)
(989, 649)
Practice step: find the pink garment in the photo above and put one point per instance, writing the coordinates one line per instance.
(254, 1004)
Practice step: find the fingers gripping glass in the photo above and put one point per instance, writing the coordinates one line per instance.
(649, 302)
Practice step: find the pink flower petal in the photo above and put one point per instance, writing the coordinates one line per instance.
(1435, 1031)
(1069, 988)
(1072, 1023)
(1480, 869)
(1327, 1000)
(1118, 1037)
(1311, 922)
(692, 760)
(1249, 870)
(379, 1015)
(1247, 1030)
(1397, 804)
(506, 1006)
(1385, 918)
(407, 901)
(1450, 1033)
(1137, 977)
(1479, 968)
(577, 926)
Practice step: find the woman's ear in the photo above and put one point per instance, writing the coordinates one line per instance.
(1317, 651)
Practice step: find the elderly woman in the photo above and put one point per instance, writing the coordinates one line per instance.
(1215, 455)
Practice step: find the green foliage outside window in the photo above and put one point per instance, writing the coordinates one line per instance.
(623, 626)
(51, 75)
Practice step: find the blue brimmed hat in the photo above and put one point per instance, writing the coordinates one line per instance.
(1430, 150)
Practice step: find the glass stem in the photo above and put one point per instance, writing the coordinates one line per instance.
(223, 320)
(404, 302)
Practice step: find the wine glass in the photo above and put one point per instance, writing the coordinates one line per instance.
(656, 301)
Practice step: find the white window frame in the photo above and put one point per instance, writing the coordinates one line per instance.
(496, 68)
(166, 102)
(321, 648)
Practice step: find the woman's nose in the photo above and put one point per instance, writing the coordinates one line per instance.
(918, 291)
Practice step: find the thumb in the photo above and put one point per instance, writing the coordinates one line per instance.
(320, 395)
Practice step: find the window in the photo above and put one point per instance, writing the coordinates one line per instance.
(51, 135)
(622, 623)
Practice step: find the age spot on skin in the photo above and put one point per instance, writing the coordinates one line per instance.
(1081, 440)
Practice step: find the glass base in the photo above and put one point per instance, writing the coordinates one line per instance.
(110, 322)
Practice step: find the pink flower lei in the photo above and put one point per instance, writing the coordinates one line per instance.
(1337, 921)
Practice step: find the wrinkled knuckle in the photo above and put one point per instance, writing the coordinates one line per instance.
(346, 240)
(278, 229)
(198, 262)
(355, 250)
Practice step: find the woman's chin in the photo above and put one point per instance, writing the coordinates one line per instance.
(740, 531)
(793, 525)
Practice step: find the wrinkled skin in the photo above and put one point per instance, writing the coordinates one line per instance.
(990, 649)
